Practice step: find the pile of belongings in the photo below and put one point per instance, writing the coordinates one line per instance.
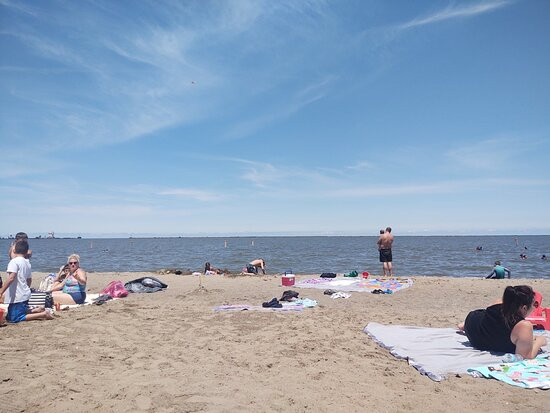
(145, 285)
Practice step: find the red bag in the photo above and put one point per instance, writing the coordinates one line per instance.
(115, 289)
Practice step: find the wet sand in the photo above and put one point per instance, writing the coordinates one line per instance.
(170, 352)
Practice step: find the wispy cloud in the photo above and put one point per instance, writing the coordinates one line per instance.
(187, 193)
(442, 187)
(361, 166)
(453, 11)
(489, 154)
(145, 76)
(299, 100)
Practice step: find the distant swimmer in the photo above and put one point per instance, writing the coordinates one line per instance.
(385, 242)
(499, 271)
(523, 256)
(479, 248)
(543, 257)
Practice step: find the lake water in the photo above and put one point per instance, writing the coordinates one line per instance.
(454, 256)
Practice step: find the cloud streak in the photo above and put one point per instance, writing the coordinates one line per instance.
(455, 12)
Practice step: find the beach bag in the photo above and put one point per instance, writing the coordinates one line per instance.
(41, 299)
(115, 289)
(47, 282)
(328, 275)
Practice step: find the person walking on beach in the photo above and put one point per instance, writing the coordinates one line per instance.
(385, 242)
(498, 272)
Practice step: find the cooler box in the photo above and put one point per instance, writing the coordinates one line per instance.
(288, 279)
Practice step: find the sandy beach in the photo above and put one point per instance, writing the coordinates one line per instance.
(170, 352)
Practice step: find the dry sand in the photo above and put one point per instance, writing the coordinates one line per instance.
(169, 352)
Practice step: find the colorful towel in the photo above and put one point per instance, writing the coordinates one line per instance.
(528, 374)
(356, 284)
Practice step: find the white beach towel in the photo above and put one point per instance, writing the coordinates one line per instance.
(435, 352)
(89, 300)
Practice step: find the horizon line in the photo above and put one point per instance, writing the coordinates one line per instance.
(261, 235)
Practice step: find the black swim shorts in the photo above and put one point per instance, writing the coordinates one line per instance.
(385, 255)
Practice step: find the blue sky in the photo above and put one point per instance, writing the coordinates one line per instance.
(264, 117)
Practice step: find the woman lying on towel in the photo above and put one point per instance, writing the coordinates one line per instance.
(74, 284)
(502, 327)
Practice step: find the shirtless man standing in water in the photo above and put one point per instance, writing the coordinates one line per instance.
(385, 242)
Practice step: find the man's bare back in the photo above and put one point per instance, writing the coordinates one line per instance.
(385, 241)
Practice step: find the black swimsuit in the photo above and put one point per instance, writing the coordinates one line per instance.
(487, 330)
(385, 255)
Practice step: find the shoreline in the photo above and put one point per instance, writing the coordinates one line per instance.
(171, 352)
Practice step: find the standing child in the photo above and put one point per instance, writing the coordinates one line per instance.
(17, 287)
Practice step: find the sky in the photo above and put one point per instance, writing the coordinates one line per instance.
(259, 117)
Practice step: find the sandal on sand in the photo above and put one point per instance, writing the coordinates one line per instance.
(330, 292)
(378, 291)
(274, 303)
(102, 299)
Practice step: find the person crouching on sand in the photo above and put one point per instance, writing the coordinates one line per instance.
(74, 284)
(499, 271)
(257, 263)
(502, 327)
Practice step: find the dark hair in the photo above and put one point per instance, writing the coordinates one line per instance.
(388, 229)
(21, 247)
(21, 235)
(512, 300)
(497, 262)
(207, 267)
(381, 231)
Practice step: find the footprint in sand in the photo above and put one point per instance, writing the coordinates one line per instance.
(143, 402)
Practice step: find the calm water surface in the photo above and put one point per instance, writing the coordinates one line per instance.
(454, 256)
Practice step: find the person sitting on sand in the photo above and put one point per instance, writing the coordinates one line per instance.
(498, 272)
(257, 263)
(17, 288)
(60, 278)
(208, 269)
(502, 327)
(74, 284)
